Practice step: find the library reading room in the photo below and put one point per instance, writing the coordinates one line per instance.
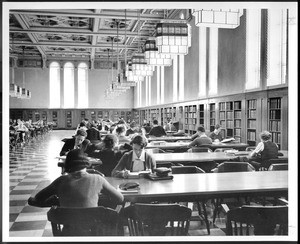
(181, 117)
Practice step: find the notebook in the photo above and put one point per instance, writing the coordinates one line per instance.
(154, 177)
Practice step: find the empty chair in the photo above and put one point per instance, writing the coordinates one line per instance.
(233, 167)
(199, 149)
(186, 170)
(267, 163)
(98, 221)
(266, 220)
(278, 167)
(201, 208)
(250, 148)
(181, 149)
(157, 219)
(222, 149)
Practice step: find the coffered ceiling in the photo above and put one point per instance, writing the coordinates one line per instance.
(82, 34)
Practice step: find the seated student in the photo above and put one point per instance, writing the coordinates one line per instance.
(93, 134)
(78, 188)
(216, 135)
(78, 141)
(147, 127)
(22, 129)
(120, 133)
(157, 130)
(108, 155)
(131, 129)
(265, 149)
(134, 161)
(201, 139)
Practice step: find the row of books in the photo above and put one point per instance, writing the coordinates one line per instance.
(190, 108)
(251, 114)
(237, 132)
(275, 103)
(251, 135)
(275, 126)
(276, 137)
(275, 114)
(251, 104)
(237, 123)
(251, 124)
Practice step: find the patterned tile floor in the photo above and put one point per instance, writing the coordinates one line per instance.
(31, 168)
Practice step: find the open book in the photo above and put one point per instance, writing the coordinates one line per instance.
(136, 175)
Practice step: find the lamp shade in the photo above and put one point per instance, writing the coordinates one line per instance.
(14, 90)
(140, 66)
(173, 38)
(220, 18)
(153, 57)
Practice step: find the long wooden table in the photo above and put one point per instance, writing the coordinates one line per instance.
(166, 145)
(193, 187)
(170, 138)
(201, 157)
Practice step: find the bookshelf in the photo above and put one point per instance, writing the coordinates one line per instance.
(237, 116)
(222, 118)
(37, 116)
(44, 117)
(69, 119)
(201, 114)
(251, 121)
(82, 115)
(275, 120)
(99, 114)
(93, 115)
(154, 114)
(212, 116)
(190, 117)
(54, 119)
(161, 117)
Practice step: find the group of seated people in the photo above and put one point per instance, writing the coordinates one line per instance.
(19, 129)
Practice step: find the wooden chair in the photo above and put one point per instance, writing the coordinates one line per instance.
(282, 166)
(266, 164)
(222, 149)
(98, 221)
(199, 149)
(181, 149)
(229, 167)
(157, 219)
(202, 213)
(266, 220)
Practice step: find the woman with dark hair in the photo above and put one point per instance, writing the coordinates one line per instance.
(136, 160)
(107, 155)
(77, 188)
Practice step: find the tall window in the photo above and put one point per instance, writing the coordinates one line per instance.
(82, 85)
(277, 47)
(54, 85)
(158, 85)
(253, 41)
(69, 85)
(162, 84)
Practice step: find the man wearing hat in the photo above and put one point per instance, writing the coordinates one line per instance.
(78, 188)
(76, 142)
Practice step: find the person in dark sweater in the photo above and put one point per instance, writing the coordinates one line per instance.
(216, 135)
(157, 130)
(202, 139)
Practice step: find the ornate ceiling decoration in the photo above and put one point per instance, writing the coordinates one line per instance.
(81, 34)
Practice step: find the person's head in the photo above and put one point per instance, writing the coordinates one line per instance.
(80, 136)
(217, 128)
(132, 124)
(82, 124)
(155, 122)
(138, 142)
(110, 141)
(76, 160)
(200, 130)
(265, 136)
(120, 130)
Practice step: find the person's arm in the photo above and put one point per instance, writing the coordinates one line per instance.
(259, 148)
(65, 148)
(120, 170)
(193, 143)
(163, 131)
(114, 195)
(41, 197)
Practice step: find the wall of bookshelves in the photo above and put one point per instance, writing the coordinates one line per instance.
(237, 115)
(251, 121)
(190, 117)
(275, 120)
(212, 116)
(201, 114)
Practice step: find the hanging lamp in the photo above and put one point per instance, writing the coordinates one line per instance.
(153, 57)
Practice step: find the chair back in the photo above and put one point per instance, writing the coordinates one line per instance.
(157, 150)
(186, 170)
(233, 167)
(181, 149)
(158, 219)
(267, 163)
(97, 221)
(222, 149)
(263, 218)
(199, 149)
(278, 167)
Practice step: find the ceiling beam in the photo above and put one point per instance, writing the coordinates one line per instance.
(106, 14)
(96, 23)
(100, 32)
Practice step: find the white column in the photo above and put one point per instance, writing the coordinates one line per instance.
(202, 61)
(146, 90)
(213, 61)
(149, 91)
(181, 78)
(157, 85)
(162, 84)
(175, 78)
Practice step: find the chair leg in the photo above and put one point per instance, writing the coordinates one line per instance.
(204, 215)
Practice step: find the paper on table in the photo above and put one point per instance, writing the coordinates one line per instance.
(228, 139)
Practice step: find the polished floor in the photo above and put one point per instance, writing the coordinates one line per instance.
(32, 167)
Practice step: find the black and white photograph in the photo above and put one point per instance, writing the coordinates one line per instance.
(149, 121)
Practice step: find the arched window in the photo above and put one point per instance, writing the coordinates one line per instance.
(68, 85)
(54, 85)
(82, 85)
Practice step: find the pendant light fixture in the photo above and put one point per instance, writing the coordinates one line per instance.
(153, 57)
(219, 18)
